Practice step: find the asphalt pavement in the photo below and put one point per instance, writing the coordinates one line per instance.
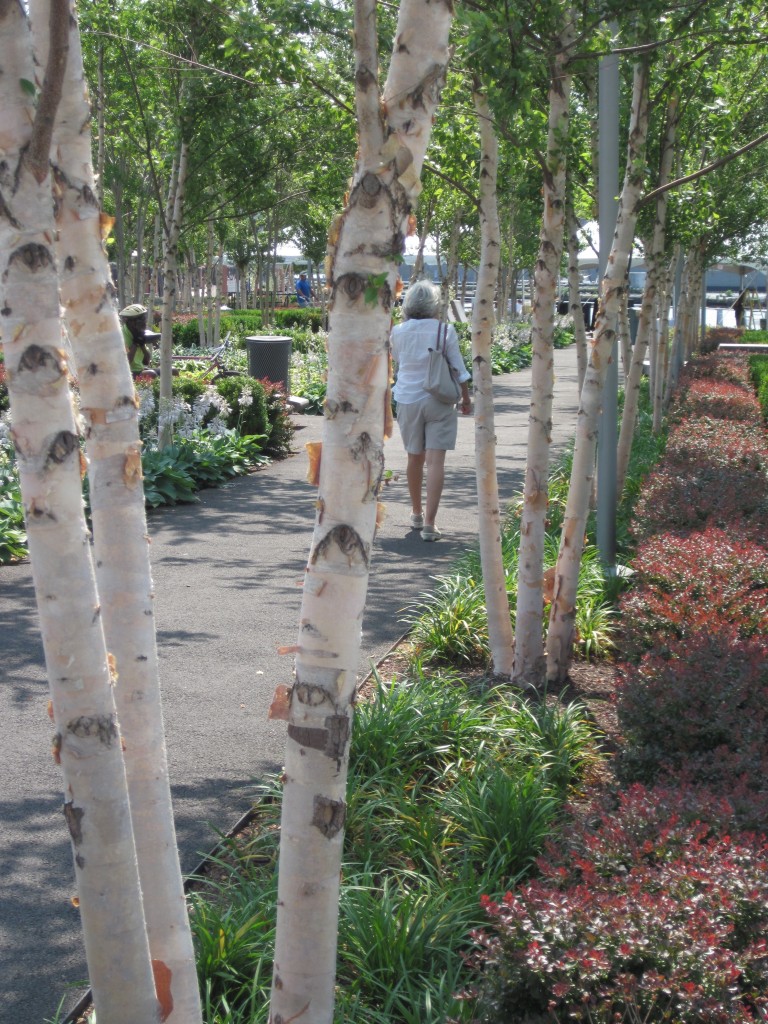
(227, 575)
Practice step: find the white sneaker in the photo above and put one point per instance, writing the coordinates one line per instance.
(430, 533)
(417, 521)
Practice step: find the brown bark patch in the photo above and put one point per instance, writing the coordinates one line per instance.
(48, 362)
(315, 452)
(280, 707)
(311, 696)
(337, 736)
(74, 819)
(351, 285)
(366, 450)
(349, 542)
(367, 192)
(103, 727)
(31, 257)
(314, 739)
(60, 448)
(329, 816)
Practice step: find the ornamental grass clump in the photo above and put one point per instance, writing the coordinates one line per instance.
(451, 787)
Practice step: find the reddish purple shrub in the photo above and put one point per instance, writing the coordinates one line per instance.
(688, 584)
(638, 825)
(716, 399)
(732, 369)
(717, 443)
(690, 499)
(650, 918)
(702, 707)
(713, 472)
(647, 909)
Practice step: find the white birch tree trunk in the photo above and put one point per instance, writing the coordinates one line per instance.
(365, 243)
(645, 322)
(418, 263)
(625, 334)
(138, 271)
(697, 278)
(222, 288)
(662, 361)
(170, 286)
(529, 666)
(109, 409)
(563, 610)
(676, 349)
(209, 283)
(489, 522)
(87, 742)
(574, 297)
(155, 267)
(653, 330)
(452, 264)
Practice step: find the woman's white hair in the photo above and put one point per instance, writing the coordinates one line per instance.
(422, 301)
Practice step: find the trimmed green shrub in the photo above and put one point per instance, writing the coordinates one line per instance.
(248, 404)
(240, 323)
(754, 338)
(303, 318)
(758, 369)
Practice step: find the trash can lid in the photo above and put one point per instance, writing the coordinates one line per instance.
(268, 337)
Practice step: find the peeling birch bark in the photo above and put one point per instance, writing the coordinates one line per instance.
(87, 741)
(365, 243)
(529, 666)
(483, 319)
(563, 609)
(110, 414)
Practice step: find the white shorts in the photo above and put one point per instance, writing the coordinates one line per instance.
(427, 423)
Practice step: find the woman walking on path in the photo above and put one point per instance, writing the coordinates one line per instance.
(428, 427)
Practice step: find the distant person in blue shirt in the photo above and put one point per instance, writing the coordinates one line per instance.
(304, 293)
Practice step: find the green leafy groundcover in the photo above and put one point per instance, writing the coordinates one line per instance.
(174, 475)
(13, 534)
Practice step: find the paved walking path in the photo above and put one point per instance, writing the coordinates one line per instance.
(227, 577)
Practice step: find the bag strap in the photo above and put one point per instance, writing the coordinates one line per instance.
(444, 328)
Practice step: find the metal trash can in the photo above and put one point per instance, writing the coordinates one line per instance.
(270, 356)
